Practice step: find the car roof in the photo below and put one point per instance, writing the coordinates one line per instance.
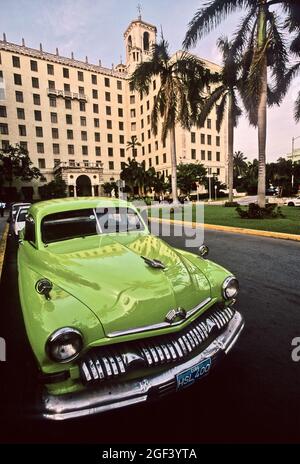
(43, 208)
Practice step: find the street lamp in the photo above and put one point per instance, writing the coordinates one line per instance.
(293, 144)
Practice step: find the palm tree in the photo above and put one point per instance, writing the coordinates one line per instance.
(132, 144)
(134, 174)
(180, 92)
(259, 40)
(224, 97)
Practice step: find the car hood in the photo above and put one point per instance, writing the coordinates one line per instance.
(108, 274)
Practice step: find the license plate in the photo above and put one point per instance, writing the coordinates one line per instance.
(189, 376)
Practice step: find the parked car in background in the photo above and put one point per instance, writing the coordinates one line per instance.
(14, 209)
(293, 201)
(272, 191)
(114, 315)
(19, 222)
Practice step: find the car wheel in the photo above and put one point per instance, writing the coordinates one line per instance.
(290, 203)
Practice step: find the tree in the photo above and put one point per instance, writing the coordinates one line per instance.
(55, 189)
(132, 144)
(259, 40)
(134, 175)
(189, 175)
(109, 187)
(15, 163)
(224, 97)
(182, 78)
(239, 167)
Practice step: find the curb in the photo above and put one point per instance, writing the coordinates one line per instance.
(237, 230)
(3, 247)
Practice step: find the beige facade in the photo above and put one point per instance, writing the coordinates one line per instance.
(75, 117)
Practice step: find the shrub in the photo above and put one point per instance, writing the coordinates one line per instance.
(271, 210)
(231, 204)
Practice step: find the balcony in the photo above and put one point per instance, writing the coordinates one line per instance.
(77, 166)
(66, 94)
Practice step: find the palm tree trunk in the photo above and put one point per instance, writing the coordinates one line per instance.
(262, 115)
(173, 165)
(230, 149)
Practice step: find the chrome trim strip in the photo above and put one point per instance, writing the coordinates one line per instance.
(161, 325)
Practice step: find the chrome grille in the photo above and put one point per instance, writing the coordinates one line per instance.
(106, 363)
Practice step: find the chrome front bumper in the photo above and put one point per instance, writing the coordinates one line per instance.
(104, 398)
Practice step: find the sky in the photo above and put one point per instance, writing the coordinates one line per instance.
(94, 28)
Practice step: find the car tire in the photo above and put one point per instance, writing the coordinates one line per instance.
(290, 203)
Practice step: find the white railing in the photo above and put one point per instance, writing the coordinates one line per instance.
(67, 94)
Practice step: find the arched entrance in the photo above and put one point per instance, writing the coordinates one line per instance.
(83, 186)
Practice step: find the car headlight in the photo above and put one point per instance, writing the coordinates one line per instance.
(230, 288)
(64, 345)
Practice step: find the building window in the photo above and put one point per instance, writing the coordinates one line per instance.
(33, 65)
(3, 113)
(36, 99)
(55, 148)
(218, 171)
(22, 131)
(164, 158)
(96, 122)
(55, 134)
(108, 110)
(109, 124)
(218, 140)
(149, 134)
(3, 129)
(97, 136)
(37, 115)
(208, 123)
(119, 85)
(121, 125)
(17, 79)
(203, 155)
(193, 137)
(143, 137)
(111, 165)
(84, 150)
(67, 87)
(218, 156)
(109, 138)
(86, 163)
(39, 131)
(122, 152)
(98, 164)
(143, 151)
(106, 82)
(68, 104)
(209, 140)
(132, 113)
(20, 113)
(96, 108)
(51, 85)
(95, 93)
(80, 76)
(82, 120)
(71, 150)
(16, 61)
(120, 112)
(209, 155)
(148, 119)
(72, 163)
(156, 160)
(84, 135)
(24, 145)
(69, 119)
(149, 147)
(19, 96)
(52, 101)
(81, 90)
(150, 162)
(121, 139)
(133, 126)
(148, 104)
(107, 96)
(142, 124)
(50, 69)
(53, 117)
(154, 85)
(82, 106)
(94, 79)
(35, 82)
(202, 138)
(193, 154)
(98, 151)
(41, 163)
(70, 134)
(56, 162)
(66, 73)
(132, 99)
(40, 147)
(120, 99)
(156, 145)
(110, 151)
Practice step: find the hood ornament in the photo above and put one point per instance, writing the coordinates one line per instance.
(178, 313)
(155, 263)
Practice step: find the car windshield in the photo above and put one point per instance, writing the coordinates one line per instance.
(84, 222)
(22, 215)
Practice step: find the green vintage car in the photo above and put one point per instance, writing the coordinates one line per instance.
(114, 315)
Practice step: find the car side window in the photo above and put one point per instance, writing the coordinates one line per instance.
(29, 234)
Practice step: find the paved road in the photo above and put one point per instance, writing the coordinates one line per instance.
(253, 396)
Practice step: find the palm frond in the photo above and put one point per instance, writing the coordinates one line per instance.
(277, 50)
(297, 108)
(243, 31)
(208, 104)
(236, 110)
(207, 18)
(220, 112)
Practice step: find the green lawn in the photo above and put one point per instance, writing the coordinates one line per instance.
(229, 217)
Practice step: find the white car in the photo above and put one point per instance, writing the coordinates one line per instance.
(19, 222)
(292, 201)
(15, 208)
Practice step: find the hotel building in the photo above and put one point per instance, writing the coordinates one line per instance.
(75, 117)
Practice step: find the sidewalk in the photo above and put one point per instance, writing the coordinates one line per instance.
(3, 223)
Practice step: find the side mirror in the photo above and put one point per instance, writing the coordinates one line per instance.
(203, 251)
